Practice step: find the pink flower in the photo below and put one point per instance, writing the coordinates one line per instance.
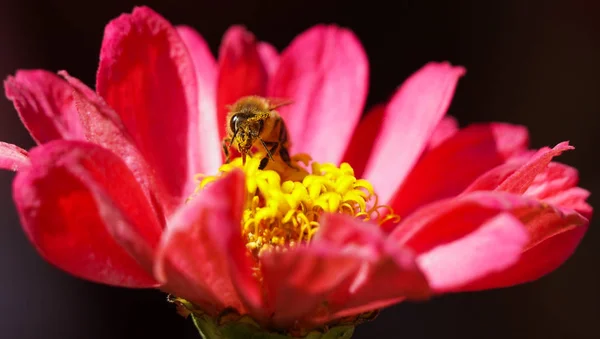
(103, 196)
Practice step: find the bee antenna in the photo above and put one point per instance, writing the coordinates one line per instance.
(266, 148)
(282, 103)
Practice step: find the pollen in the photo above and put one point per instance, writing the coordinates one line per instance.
(284, 204)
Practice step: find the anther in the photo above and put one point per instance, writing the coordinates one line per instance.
(284, 204)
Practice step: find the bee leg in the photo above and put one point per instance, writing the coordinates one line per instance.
(265, 145)
(225, 143)
(271, 150)
(283, 151)
(285, 156)
(263, 163)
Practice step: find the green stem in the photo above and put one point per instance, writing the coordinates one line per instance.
(249, 330)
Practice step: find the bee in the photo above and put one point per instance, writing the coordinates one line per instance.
(251, 121)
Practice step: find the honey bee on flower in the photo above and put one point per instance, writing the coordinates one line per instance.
(270, 246)
(253, 119)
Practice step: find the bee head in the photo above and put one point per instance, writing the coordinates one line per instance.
(245, 130)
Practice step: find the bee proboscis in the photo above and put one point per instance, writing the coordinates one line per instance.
(253, 121)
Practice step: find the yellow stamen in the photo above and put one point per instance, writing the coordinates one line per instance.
(284, 204)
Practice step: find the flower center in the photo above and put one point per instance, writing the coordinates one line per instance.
(284, 204)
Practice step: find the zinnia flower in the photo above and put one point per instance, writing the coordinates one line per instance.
(127, 186)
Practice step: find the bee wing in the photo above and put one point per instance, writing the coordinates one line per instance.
(275, 103)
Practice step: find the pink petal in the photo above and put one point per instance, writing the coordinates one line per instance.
(209, 159)
(388, 272)
(449, 220)
(410, 119)
(325, 73)
(241, 71)
(362, 142)
(303, 277)
(490, 180)
(101, 125)
(536, 261)
(534, 176)
(147, 76)
(78, 204)
(202, 256)
(12, 157)
(573, 198)
(269, 56)
(360, 146)
(45, 105)
(446, 128)
(346, 267)
(495, 246)
(555, 178)
(523, 177)
(449, 168)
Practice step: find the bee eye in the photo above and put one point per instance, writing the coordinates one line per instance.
(234, 124)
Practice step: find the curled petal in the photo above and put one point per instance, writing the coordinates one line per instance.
(490, 180)
(241, 71)
(572, 198)
(410, 119)
(209, 159)
(446, 221)
(536, 176)
(449, 168)
(536, 261)
(45, 105)
(555, 178)
(524, 176)
(493, 247)
(388, 274)
(450, 219)
(147, 76)
(347, 269)
(102, 125)
(12, 157)
(81, 207)
(325, 72)
(302, 277)
(202, 256)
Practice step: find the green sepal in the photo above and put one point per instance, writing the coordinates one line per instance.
(231, 325)
(246, 328)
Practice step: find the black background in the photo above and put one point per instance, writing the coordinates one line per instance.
(528, 62)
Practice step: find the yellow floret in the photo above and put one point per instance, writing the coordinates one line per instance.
(284, 204)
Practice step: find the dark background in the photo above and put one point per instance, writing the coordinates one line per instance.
(531, 63)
